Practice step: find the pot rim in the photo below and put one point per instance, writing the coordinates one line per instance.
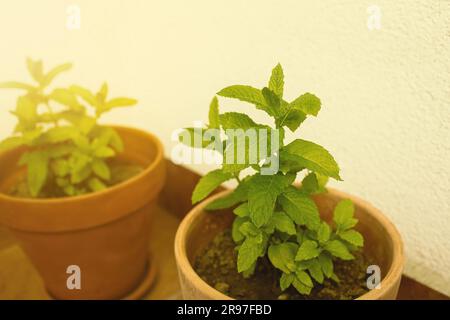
(388, 282)
(122, 185)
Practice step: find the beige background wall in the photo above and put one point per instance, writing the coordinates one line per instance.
(385, 93)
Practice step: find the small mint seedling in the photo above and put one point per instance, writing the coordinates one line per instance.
(67, 148)
(275, 218)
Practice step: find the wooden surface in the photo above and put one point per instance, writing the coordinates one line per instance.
(19, 280)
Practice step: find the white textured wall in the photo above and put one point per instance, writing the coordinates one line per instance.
(385, 93)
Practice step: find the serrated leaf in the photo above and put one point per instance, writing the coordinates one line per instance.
(209, 183)
(272, 101)
(242, 210)
(289, 117)
(282, 256)
(283, 223)
(300, 207)
(26, 112)
(119, 102)
(96, 185)
(48, 78)
(236, 234)
(315, 270)
(240, 194)
(60, 167)
(236, 120)
(343, 215)
(35, 68)
(353, 237)
(276, 82)
(66, 98)
(247, 94)
(214, 121)
(85, 94)
(60, 134)
(308, 250)
(304, 278)
(104, 152)
(314, 183)
(262, 195)
(37, 167)
(248, 253)
(195, 138)
(323, 232)
(313, 157)
(249, 229)
(16, 85)
(338, 249)
(300, 287)
(307, 103)
(326, 264)
(101, 169)
(286, 280)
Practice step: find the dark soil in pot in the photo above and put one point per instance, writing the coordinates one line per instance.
(216, 265)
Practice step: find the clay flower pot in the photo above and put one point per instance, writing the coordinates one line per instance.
(382, 242)
(105, 234)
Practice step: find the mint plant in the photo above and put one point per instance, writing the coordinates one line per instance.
(67, 150)
(274, 217)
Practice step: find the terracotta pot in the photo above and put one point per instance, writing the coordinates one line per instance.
(382, 242)
(105, 233)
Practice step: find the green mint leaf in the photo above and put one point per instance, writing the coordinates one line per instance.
(96, 185)
(84, 94)
(236, 120)
(338, 249)
(209, 183)
(60, 167)
(353, 237)
(242, 210)
(300, 208)
(196, 138)
(101, 169)
(26, 112)
(249, 229)
(323, 232)
(308, 250)
(236, 234)
(300, 287)
(282, 222)
(248, 253)
(313, 157)
(314, 183)
(214, 121)
(282, 256)
(272, 101)
(276, 82)
(289, 117)
(304, 278)
(35, 68)
(262, 195)
(37, 162)
(66, 98)
(343, 215)
(119, 102)
(247, 94)
(16, 85)
(315, 270)
(307, 103)
(326, 264)
(48, 78)
(104, 152)
(240, 194)
(286, 280)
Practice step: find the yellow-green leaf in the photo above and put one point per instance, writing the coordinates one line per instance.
(48, 78)
(101, 169)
